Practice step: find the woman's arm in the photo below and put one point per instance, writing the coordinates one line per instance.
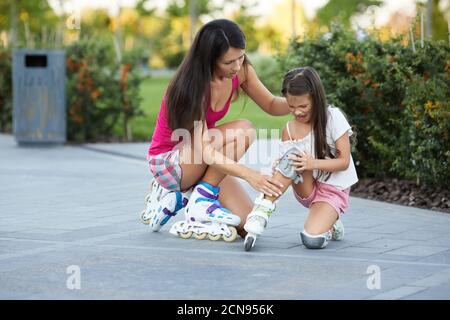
(341, 163)
(255, 89)
(216, 159)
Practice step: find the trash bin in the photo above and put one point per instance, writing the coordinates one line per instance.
(39, 96)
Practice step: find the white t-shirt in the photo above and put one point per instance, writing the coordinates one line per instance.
(337, 125)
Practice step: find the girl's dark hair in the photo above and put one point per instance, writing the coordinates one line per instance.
(306, 80)
(189, 91)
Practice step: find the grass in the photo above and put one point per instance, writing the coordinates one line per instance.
(152, 91)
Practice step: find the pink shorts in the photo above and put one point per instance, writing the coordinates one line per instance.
(323, 192)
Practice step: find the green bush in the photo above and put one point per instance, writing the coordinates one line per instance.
(396, 99)
(5, 90)
(425, 141)
(100, 91)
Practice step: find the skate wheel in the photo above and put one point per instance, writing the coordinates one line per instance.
(143, 219)
(185, 235)
(214, 238)
(249, 241)
(200, 236)
(232, 236)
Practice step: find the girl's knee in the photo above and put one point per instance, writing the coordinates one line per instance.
(313, 231)
(315, 241)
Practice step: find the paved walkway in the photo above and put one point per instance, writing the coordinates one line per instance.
(75, 208)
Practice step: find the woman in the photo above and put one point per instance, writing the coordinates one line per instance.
(198, 96)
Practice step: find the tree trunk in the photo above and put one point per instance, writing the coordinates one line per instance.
(13, 21)
(293, 13)
(429, 18)
(193, 18)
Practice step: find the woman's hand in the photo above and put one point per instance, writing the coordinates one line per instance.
(303, 161)
(264, 183)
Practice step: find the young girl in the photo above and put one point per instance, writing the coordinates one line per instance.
(198, 165)
(315, 158)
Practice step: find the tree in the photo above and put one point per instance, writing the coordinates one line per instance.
(180, 23)
(439, 28)
(343, 9)
(247, 22)
(28, 22)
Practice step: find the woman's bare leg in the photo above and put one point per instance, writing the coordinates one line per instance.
(231, 145)
(238, 136)
(235, 198)
(228, 143)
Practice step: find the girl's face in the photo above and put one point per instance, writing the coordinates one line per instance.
(229, 64)
(300, 107)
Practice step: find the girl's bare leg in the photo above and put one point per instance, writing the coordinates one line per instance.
(321, 218)
(321, 215)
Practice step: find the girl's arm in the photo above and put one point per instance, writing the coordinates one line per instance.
(341, 163)
(255, 89)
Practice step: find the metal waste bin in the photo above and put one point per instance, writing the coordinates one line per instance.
(39, 96)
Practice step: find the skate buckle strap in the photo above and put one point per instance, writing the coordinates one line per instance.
(207, 194)
(211, 197)
(180, 203)
(185, 195)
(217, 205)
(167, 212)
(178, 206)
(214, 206)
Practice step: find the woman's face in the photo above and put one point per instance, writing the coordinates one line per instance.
(229, 64)
(300, 107)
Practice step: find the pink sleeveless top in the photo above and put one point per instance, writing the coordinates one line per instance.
(161, 139)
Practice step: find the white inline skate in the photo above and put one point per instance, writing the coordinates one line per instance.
(257, 220)
(206, 217)
(338, 231)
(162, 204)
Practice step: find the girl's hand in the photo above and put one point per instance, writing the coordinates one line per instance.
(264, 183)
(303, 161)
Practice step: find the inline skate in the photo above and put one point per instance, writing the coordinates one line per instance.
(257, 220)
(337, 232)
(161, 205)
(206, 217)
